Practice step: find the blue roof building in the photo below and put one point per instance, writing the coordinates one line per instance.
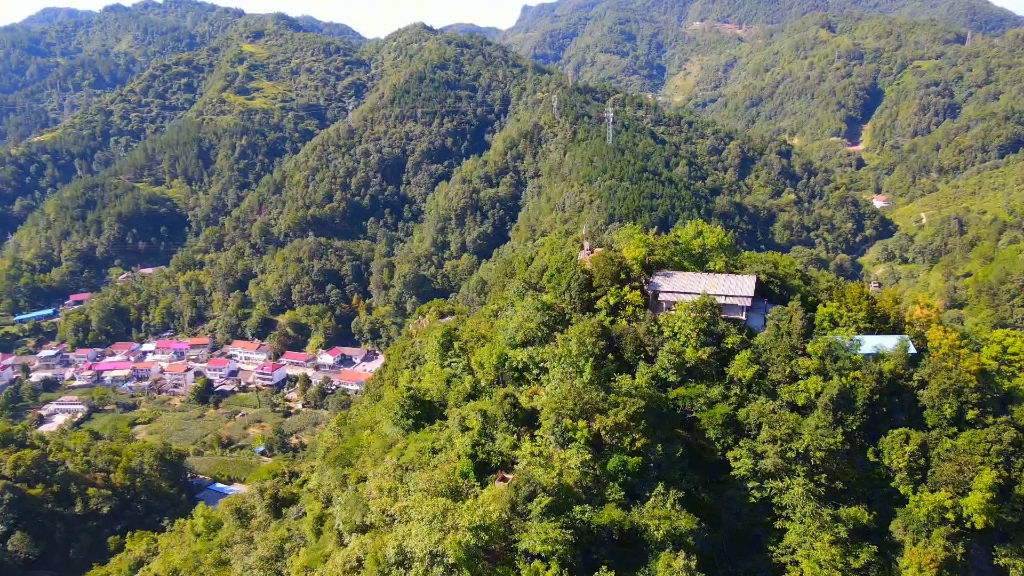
(888, 344)
(38, 315)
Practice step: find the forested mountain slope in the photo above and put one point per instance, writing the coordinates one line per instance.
(123, 74)
(641, 44)
(640, 445)
(454, 140)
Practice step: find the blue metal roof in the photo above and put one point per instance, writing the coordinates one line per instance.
(223, 489)
(34, 315)
(876, 344)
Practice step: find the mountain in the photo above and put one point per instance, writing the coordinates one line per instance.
(641, 44)
(463, 28)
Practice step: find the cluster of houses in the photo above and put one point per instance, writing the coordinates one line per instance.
(171, 366)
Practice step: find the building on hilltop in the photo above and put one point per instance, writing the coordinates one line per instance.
(736, 294)
(881, 201)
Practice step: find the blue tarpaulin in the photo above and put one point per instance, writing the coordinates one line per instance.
(38, 315)
(223, 489)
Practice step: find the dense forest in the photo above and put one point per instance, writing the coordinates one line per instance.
(425, 194)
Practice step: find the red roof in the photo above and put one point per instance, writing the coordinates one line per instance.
(108, 366)
(199, 341)
(345, 351)
(143, 366)
(218, 363)
(80, 297)
(123, 347)
(177, 368)
(296, 356)
(246, 345)
(269, 367)
(171, 345)
(881, 198)
(5, 357)
(354, 376)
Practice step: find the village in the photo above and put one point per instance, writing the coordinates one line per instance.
(171, 367)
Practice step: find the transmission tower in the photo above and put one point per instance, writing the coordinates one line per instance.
(554, 105)
(610, 118)
(351, 107)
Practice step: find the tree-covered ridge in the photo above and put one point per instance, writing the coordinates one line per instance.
(640, 445)
(52, 67)
(67, 499)
(248, 107)
(642, 44)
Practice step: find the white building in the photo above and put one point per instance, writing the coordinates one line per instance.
(270, 374)
(64, 405)
(247, 352)
(881, 201)
(218, 369)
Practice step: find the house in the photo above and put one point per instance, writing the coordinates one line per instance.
(123, 348)
(65, 405)
(737, 295)
(340, 356)
(76, 300)
(144, 370)
(116, 377)
(6, 374)
(199, 347)
(270, 374)
(298, 359)
(49, 359)
(247, 352)
(353, 380)
(881, 201)
(85, 355)
(85, 379)
(171, 348)
(102, 368)
(179, 375)
(47, 314)
(218, 369)
(868, 345)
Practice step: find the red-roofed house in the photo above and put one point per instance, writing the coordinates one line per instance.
(171, 348)
(298, 359)
(6, 375)
(249, 352)
(270, 374)
(353, 380)
(881, 201)
(123, 348)
(101, 367)
(76, 300)
(144, 370)
(340, 356)
(85, 355)
(218, 369)
(179, 375)
(6, 359)
(199, 346)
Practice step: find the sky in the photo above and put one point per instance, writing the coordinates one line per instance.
(371, 18)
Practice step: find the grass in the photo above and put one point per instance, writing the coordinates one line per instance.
(244, 401)
(256, 50)
(225, 468)
(263, 94)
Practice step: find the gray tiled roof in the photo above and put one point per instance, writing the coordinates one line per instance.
(703, 283)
